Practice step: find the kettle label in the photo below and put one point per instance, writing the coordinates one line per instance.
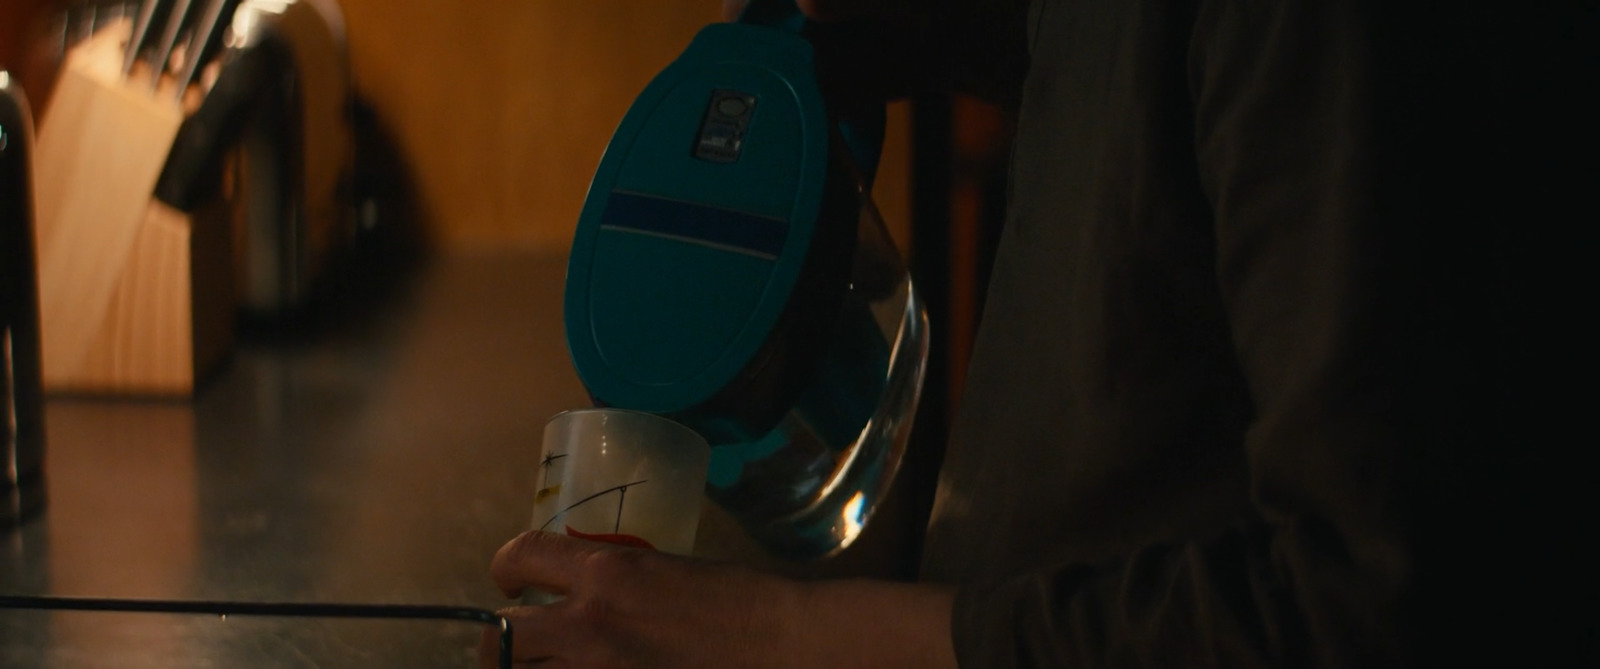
(693, 223)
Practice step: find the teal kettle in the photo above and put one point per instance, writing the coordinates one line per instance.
(730, 271)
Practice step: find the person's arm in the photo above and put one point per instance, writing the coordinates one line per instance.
(631, 607)
(1357, 214)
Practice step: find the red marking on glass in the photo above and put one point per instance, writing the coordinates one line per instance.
(618, 539)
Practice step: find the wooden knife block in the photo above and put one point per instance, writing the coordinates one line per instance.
(136, 298)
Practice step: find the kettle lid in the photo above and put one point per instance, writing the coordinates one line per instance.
(697, 225)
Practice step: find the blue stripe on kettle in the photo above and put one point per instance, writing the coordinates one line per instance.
(695, 223)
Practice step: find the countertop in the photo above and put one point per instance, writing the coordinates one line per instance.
(381, 456)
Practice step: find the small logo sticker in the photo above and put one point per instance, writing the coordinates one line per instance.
(546, 493)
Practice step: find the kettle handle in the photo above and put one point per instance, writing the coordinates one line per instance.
(861, 128)
(781, 14)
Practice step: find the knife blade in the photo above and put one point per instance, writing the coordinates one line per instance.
(81, 23)
(169, 40)
(150, 11)
(207, 35)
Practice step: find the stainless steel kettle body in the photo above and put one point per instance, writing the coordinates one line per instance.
(22, 432)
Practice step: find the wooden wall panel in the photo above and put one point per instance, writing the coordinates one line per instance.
(16, 22)
(503, 107)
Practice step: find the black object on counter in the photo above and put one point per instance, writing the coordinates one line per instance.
(284, 609)
(194, 167)
(21, 381)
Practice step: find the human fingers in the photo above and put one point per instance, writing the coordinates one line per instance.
(820, 10)
(489, 649)
(835, 10)
(542, 560)
(533, 639)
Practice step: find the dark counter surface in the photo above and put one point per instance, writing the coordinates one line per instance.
(380, 458)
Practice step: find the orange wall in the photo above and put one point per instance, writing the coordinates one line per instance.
(16, 20)
(503, 107)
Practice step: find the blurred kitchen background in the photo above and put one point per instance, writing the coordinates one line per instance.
(368, 431)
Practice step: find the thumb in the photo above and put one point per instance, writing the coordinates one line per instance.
(542, 560)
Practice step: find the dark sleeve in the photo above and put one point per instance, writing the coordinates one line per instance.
(1356, 159)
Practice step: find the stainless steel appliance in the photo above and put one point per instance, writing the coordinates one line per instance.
(296, 151)
(22, 432)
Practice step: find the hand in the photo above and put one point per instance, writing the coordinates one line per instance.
(634, 607)
(868, 51)
(829, 10)
(628, 607)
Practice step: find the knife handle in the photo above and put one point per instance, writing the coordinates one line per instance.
(194, 165)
